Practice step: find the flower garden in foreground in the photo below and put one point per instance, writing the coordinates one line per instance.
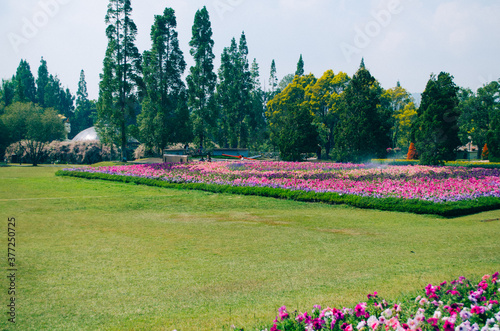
(459, 305)
(427, 189)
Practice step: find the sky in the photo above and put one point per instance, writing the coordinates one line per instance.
(400, 40)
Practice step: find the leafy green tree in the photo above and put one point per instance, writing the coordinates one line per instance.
(361, 132)
(285, 81)
(85, 109)
(477, 110)
(163, 119)
(118, 99)
(201, 80)
(55, 96)
(323, 98)
(41, 82)
(7, 92)
(291, 121)
(490, 95)
(32, 126)
(300, 67)
(400, 104)
(24, 84)
(436, 129)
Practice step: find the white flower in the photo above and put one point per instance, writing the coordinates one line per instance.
(387, 313)
(361, 325)
(437, 314)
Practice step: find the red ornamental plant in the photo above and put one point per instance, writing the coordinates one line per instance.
(486, 152)
(412, 152)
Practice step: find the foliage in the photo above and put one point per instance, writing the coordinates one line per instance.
(485, 152)
(41, 82)
(24, 84)
(324, 98)
(457, 305)
(201, 80)
(165, 117)
(273, 80)
(85, 111)
(117, 102)
(64, 152)
(401, 107)
(436, 130)
(34, 126)
(291, 121)
(477, 113)
(234, 96)
(300, 67)
(493, 136)
(362, 131)
(412, 152)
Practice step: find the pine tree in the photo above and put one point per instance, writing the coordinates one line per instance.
(437, 129)
(202, 79)
(300, 67)
(273, 79)
(361, 132)
(234, 95)
(83, 118)
(163, 119)
(41, 82)
(24, 82)
(121, 76)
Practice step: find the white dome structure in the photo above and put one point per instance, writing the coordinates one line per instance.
(87, 135)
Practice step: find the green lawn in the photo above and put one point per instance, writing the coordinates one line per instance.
(113, 256)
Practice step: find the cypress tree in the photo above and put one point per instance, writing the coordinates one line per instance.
(160, 121)
(202, 79)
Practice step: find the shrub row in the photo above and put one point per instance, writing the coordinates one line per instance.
(66, 152)
(402, 162)
(448, 209)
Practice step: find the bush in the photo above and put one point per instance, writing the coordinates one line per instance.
(412, 153)
(485, 152)
(66, 152)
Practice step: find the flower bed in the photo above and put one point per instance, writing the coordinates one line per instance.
(330, 182)
(456, 306)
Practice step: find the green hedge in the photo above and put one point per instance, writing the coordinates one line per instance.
(448, 209)
(402, 162)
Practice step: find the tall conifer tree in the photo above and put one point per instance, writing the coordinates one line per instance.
(164, 118)
(300, 67)
(437, 128)
(120, 77)
(25, 89)
(41, 82)
(202, 79)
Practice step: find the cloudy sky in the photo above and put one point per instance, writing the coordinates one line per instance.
(403, 40)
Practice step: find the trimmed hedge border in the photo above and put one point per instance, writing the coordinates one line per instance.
(448, 209)
(401, 162)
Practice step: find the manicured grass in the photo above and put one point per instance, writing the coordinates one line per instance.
(114, 256)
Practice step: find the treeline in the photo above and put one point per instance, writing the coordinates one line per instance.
(335, 116)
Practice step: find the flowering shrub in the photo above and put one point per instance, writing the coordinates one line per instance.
(412, 152)
(485, 152)
(455, 306)
(433, 184)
